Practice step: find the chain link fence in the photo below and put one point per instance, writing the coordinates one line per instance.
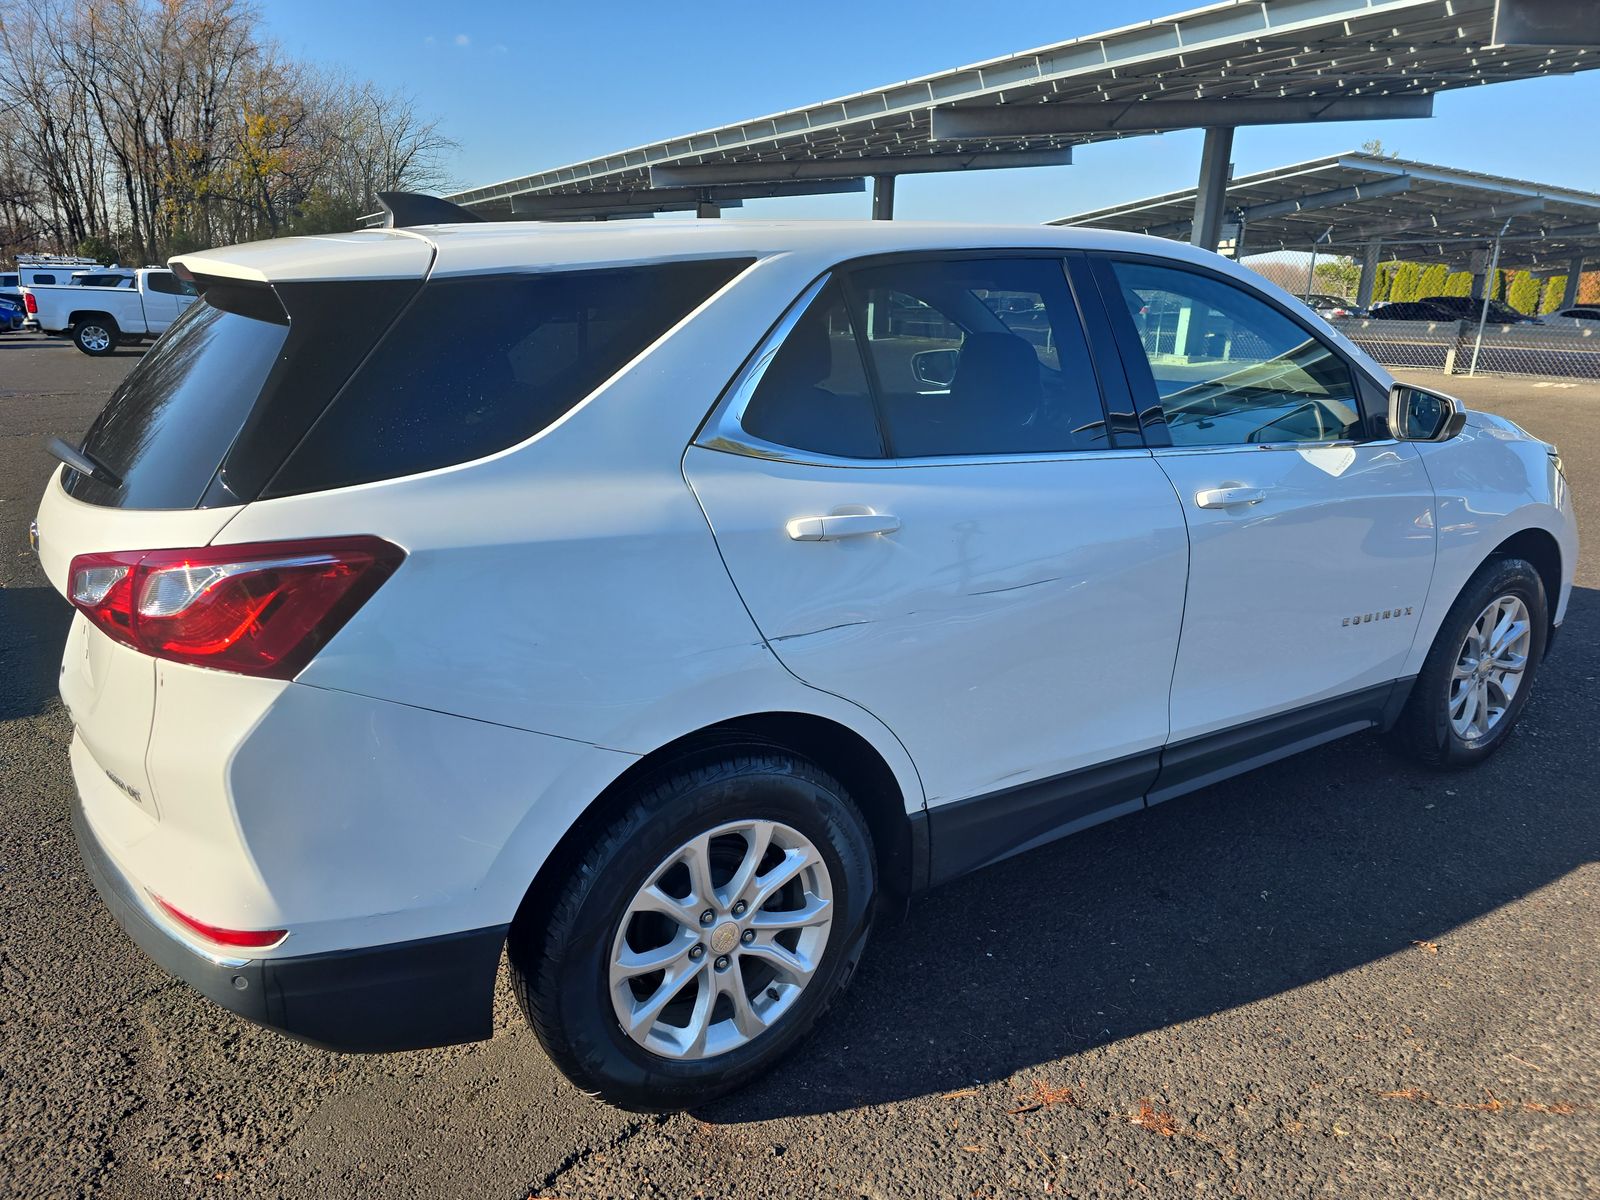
(1560, 351)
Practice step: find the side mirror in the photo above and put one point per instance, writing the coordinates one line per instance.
(1418, 415)
(935, 369)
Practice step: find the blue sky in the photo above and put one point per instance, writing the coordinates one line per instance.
(528, 86)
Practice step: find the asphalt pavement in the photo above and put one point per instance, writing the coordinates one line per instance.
(1339, 976)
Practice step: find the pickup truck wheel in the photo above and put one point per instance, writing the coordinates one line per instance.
(95, 335)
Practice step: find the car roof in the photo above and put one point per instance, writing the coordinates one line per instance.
(481, 248)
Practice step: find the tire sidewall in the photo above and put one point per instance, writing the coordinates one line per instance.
(1504, 577)
(611, 1062)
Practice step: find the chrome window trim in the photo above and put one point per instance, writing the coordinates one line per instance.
(724, 430)
(1234, 447)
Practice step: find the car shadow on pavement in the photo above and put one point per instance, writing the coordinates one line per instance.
(33, 628)
(1289, 875)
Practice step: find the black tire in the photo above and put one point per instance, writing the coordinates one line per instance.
(1424, 729)
(560, 956)
(96, 336)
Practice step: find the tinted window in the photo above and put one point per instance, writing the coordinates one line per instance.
(168, 424)
(478, 364)
(813, 395)
(979, 357)
(164, 281)
(8, 281)
(1231, 369)
(40, 278)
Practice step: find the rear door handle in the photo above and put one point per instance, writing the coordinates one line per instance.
(844, 525)
(1229, 497)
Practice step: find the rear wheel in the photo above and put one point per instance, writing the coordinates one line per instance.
(1477, 676)
(95, 335)
(703, 934)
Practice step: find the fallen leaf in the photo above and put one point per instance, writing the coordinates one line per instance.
(1045, 1096)
(958, 1094)
(973, 1149)
(1556, 1110)
(1427, 947)
(1492, 1104)
(1407, 1094)
(1154, 1120)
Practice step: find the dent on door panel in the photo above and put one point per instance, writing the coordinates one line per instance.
(1021, 623)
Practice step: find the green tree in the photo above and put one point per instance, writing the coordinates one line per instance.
(1523, 293)
(1338, 277)
(1459, 284)
(1554, 289)
(1405, 282)
(1432, 281)
(1380, 285)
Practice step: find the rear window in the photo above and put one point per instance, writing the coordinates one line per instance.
(169, 422)
(480, 363)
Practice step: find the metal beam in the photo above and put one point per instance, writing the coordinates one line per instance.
(1212, 194)
(1149, 116)
(713, 174)
(1345, 195)
(883, 197)
(592, 204)
(1447, 219)
(1569, 294)
(1369, 273)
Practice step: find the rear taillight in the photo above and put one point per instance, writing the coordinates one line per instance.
(33, 305)
(263, 608)
(243, 939)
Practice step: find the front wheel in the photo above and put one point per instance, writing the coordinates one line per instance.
(1475, 681)
(703, 933)
(95, 336)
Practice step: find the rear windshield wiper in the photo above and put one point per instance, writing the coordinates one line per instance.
(83, 462)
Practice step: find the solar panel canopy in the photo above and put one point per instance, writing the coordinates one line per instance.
(1241, 62)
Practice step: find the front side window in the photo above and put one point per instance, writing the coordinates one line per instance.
(166, 282)
(1230, 369)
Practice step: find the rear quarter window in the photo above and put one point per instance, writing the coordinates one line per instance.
(480, 363)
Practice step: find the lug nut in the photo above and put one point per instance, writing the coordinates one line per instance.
(722, 962)
(772, 993)
(697, 953)
(748, 936)
(707, 917)
(738, 909)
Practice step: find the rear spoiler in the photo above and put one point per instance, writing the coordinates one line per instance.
(405, 209)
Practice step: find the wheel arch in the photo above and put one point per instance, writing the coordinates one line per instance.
(1540, 548)
(87, 314)
(837, 749)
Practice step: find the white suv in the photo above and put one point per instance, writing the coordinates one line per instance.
(659, 601)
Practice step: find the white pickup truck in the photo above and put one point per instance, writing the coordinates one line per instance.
(98, 319)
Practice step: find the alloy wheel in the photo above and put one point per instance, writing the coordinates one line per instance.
(1489, 668)
(721, 940)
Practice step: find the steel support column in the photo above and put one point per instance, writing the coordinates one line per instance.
(883, 197)
(1369, 274)
(1212, 196)
(1569, 294)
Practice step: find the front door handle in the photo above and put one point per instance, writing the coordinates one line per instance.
(843, 525)
(1229, 497)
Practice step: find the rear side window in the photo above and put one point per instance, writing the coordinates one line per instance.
(480, 363)
(166, 281)
(43, 279)
(814, 394)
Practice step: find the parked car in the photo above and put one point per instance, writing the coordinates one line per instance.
(1330, 307)
(601, 598)
(1465, 308)
(1410, 310)
(1585, 317)
(99, 319)
(11, 315)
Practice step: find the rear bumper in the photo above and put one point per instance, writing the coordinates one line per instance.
(436, 991)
